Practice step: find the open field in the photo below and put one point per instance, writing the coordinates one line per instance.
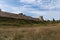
(19, 29)
(50, 32)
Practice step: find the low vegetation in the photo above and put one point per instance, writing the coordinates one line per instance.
(16, 22)
(4, 21)
(52, 33)
(20, 29)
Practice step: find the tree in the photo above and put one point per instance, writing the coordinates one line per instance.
(21, 14)
(53, 20)
(0, 10)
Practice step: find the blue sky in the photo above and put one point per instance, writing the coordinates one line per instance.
(49, 9)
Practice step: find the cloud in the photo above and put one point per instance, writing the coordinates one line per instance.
(28, 10)
(47, 8)
(44, 4)
(28, 1)
(9, 8)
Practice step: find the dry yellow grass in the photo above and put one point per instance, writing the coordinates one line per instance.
(50, 32)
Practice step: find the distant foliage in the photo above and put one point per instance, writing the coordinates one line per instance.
(21, 14)
(15, 22)
(0, 10)
(53, 20)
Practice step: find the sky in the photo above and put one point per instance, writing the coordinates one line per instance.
(49, 9)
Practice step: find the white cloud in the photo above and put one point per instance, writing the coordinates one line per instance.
(46, 4)
(9, 8)
(28, 1)
(27, 9)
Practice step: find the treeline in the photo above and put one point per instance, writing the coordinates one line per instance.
(47, 22)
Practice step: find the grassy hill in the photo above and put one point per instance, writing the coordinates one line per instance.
(22, 29)
(5, 21)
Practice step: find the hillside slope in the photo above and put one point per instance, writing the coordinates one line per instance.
(17, 16)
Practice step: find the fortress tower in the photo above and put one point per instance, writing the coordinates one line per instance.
(41, 18)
